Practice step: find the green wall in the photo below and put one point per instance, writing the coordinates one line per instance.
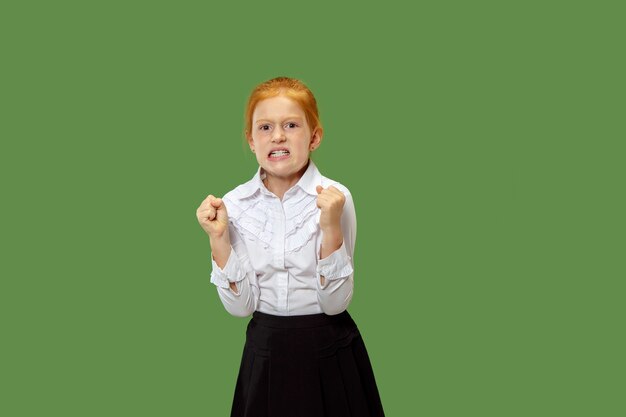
(481, 143)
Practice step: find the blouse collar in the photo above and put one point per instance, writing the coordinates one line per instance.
(308, 182)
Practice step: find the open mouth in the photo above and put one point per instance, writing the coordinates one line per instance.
(280, 154)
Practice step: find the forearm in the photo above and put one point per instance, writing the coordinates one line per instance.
(220, 249)
(241, 299)
(332, 240)
(335, 266)
(233, 274)
(336, 295)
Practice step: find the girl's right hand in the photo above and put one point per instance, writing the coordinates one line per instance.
(213, 217)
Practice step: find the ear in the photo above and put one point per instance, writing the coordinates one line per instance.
(316, 138)
(250, 141)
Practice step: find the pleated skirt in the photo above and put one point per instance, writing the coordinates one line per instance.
(305, 366)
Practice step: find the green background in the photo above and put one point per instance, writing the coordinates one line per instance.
(482, 142)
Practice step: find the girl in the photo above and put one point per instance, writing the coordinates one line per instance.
(282, 246)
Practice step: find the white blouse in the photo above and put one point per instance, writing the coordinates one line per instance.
(275, 257)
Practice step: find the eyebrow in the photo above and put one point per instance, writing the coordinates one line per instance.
(284, 119)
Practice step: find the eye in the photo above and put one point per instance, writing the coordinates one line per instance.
(264, 127)
(292, 125)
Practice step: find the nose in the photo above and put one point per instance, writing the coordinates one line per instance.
(279, 135)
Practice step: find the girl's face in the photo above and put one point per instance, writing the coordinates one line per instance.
(282, 139)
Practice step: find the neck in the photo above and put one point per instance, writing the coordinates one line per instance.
(279, 186)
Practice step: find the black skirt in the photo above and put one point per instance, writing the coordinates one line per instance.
(305, 366)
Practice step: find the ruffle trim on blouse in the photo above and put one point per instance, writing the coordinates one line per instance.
(255, 219)
(333, 272)
(252, 218)
(235, 270)
(302, 222)
(218, 280)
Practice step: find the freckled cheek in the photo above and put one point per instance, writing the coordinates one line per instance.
(261, 134)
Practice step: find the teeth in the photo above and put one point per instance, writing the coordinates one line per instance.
(279, 153)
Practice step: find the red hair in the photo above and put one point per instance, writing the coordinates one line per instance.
(288, 87)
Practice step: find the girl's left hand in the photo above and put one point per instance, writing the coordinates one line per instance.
(330, 201)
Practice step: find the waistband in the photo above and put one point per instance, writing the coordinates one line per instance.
(298, 322)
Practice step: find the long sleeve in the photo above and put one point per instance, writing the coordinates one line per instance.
(238, 269)
(275, 264)
(338, 268)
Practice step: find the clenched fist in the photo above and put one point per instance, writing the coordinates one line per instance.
(213, 217)
(330, 200)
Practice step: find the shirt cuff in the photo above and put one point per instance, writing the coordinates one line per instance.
(233, 271)
(336, 265)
